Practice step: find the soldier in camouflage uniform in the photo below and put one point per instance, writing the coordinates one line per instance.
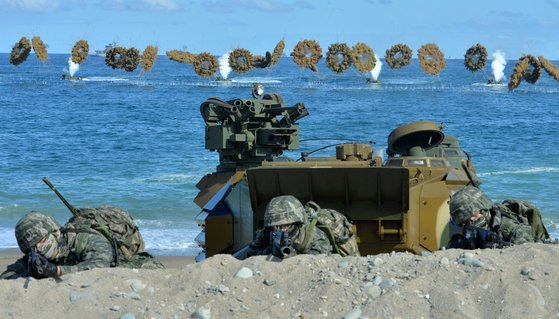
(63, 252)
(513, 221)
(288, 214)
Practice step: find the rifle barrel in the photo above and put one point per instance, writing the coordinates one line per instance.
(68, 205)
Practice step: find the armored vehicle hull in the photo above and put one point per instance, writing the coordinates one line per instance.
(399, 205)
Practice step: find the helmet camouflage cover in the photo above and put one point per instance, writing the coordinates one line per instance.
(466, 202)
(33, 227)
(282, 210)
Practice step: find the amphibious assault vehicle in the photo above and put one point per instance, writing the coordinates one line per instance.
(400, 204)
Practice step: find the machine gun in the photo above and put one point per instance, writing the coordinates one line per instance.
(246, 132)
(281, 244)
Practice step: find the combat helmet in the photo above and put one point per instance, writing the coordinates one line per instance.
(466, 202)
(33, 227)
(283, 210)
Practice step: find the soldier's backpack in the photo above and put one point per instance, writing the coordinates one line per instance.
(530, 214)
(335, 225)
(112, 222)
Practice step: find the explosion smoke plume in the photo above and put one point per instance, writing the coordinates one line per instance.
(39, 48)
(498, 66)
(363, 57)
(333, 54)
(431, 59)
(306, 54)
(375, 72)
(20, 51)
(148, 57)
(80, 51)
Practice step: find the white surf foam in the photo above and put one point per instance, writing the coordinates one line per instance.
(255, 79)
(532, 170)
(7, 238)
(103, 79)
(171, 241)
(489, 84)
(172, 178)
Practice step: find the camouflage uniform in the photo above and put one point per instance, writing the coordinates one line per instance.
(75, 251)
(288, 210)
(80, 251)
(319, 244)
(518, 221)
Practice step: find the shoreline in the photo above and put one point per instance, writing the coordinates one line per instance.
(10, 255)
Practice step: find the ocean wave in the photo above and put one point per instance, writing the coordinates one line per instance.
(187, 223)
(532, 170)
(255, 79)
(8, 207)
(406, 81)
(103, 79)
(171, 241)
(553, 229)
(165, 241)
(7, 238)
(495, 85)
(171, 178)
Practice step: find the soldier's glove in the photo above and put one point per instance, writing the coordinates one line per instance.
(46, 268)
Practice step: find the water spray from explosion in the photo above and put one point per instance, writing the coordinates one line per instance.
(72, 67)
(224, 68)
(375, 72)
(498, 66)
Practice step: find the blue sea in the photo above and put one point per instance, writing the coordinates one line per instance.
(136, 140)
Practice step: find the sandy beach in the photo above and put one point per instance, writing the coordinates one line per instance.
(517, 282)
(8, 256)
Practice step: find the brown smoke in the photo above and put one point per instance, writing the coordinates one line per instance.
(241, 60)
(20, 51)
(363, 57)
(549, 67)
(131, 59)
(475, 57)
(80, 51)
(115, 57)
(522, 71)
(148, 57)
(181, 56)
(398, 56)
(39, 48)
(332, 57)
(431, 59)
(278, 51)
(307, 53)
(205, 64)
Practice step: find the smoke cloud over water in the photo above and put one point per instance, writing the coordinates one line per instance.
(375, 72)
(224, 68)
(72, 67)
(498, 65)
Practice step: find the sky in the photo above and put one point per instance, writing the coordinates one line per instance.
(515, 27)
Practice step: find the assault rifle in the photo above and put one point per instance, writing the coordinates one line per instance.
(281, 244)
(34, 264)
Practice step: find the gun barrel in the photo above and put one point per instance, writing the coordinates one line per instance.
(70, 207)
(34, 264)
(294, 113)
(287, 251)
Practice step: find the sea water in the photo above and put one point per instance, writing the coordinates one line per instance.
(136, 140)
